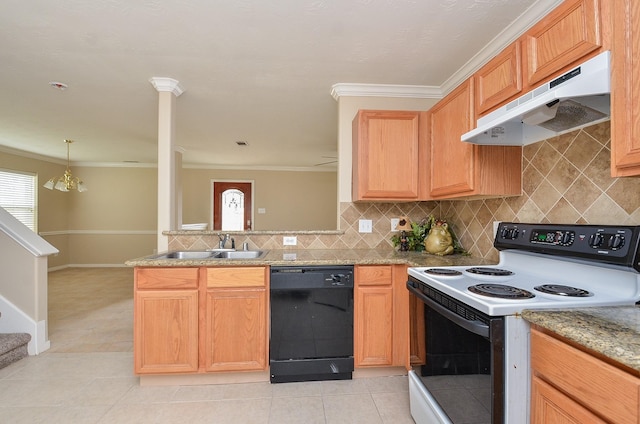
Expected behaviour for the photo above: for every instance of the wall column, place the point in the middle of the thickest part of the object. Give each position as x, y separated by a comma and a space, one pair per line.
168, 90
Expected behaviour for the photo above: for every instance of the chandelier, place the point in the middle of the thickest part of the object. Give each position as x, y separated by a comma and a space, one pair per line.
66, 182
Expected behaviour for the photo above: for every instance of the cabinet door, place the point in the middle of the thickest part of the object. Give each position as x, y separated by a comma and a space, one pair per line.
549, 405
600, 387
166, 331
452, 161
385, 155
498, 80
567, 34
235, 331
625, 96
373, 326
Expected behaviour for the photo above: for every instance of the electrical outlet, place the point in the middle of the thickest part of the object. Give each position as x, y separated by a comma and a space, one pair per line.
365, 226
394, 224
262, 210
289, 241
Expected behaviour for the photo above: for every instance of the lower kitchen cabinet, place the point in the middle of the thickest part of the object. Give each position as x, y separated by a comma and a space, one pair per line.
381, 316
166, 320
568, 385
207, 319
236, 315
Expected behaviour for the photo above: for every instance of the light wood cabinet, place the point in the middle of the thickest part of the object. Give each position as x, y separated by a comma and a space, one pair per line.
205, 319
499, 80
625, 95
373, 316
461, 169
381, 316
166, 320
571, 386
235, 334
567, 34
386, 156
573, 32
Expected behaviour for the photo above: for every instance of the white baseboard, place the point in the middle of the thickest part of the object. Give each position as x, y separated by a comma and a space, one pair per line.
13, 320
59, 267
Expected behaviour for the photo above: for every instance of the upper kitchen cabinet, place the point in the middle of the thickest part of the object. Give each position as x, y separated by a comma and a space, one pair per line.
386, 161
499, 80
567, 34
461, 169
625, 95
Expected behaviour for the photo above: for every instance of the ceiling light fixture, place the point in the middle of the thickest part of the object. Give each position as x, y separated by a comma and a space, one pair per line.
67, 182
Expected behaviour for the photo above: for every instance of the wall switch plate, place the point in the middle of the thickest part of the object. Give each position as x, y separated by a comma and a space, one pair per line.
289, 241
495, 228
394, 224
365, 226
262, 210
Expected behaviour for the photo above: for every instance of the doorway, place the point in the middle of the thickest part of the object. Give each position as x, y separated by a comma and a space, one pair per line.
232, 205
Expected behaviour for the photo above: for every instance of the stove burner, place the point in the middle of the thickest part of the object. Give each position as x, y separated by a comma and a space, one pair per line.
442, 271
501, 291
489, 271
560, 290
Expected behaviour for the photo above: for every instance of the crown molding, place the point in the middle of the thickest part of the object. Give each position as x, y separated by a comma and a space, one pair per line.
385, 90
519, 26
513, 31
167, 84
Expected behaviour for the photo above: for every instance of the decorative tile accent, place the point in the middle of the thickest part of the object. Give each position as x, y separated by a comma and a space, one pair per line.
566, 179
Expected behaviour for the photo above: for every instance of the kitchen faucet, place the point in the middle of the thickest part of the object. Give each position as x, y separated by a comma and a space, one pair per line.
223, 240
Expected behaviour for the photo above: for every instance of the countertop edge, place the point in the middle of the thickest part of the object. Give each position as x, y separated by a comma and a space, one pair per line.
612, 332
310, 257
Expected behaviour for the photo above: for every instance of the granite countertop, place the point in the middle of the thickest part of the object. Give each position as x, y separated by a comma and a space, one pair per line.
322, 257
613, 332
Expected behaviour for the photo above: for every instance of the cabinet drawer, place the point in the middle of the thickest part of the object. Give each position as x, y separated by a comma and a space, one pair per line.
166, 278
589, 381
373, 275
236, 277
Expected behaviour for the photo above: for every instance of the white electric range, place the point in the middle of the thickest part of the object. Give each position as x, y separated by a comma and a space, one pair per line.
469, 308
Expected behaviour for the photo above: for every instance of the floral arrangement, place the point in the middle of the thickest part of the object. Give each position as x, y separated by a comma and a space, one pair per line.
420, 230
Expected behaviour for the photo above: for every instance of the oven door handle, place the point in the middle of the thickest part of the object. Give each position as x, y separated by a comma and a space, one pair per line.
475, 327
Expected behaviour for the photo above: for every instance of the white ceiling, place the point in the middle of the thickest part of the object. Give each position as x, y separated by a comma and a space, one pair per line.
252, 70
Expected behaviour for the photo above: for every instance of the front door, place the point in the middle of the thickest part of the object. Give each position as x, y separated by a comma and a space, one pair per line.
232, 206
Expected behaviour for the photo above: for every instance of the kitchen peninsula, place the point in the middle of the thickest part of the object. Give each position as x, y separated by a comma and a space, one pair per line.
205, 321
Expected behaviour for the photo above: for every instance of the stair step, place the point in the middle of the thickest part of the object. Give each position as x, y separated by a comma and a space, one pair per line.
13, 347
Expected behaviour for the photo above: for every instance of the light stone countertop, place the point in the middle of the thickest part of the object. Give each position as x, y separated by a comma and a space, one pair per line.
308, 257
613, 332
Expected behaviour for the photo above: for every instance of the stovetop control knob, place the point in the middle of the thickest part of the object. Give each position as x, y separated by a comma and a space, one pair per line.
596, 240
616, 241
567, 238
509, 233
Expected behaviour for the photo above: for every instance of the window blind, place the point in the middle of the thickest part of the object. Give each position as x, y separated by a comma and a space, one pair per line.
18, 196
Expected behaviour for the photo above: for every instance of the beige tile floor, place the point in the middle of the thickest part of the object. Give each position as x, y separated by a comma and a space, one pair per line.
87, 375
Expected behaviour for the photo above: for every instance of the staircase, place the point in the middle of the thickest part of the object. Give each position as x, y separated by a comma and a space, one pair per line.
13, 347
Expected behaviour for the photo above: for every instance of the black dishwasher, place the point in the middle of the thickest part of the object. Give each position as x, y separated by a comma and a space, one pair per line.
311, 323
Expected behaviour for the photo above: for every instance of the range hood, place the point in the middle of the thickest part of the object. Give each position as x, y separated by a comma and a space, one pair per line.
576, 99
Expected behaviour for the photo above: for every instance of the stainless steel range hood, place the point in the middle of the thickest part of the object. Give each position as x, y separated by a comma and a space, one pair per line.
576, 99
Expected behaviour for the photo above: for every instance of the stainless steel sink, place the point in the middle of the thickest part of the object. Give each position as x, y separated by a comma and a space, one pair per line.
243, 254
212, 254
188, 254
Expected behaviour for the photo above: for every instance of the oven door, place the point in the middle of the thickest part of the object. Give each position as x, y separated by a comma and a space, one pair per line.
462, 379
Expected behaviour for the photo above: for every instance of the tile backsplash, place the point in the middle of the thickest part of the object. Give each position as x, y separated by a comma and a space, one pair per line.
566, 179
